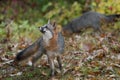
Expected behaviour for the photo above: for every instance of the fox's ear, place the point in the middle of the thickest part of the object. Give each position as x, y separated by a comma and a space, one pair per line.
49, 21
54, 24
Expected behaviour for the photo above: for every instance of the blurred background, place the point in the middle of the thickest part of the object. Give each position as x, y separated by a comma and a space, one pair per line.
27, 15
19, 19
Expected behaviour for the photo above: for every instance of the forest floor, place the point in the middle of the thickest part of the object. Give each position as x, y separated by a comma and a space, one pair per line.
86, 57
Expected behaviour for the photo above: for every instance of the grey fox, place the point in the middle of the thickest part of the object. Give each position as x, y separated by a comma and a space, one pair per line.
51, 44
88, 19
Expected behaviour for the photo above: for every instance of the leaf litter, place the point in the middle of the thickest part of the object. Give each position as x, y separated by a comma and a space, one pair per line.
86, 58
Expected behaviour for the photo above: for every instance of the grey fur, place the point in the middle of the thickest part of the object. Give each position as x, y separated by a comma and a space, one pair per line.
89, 19
37, 49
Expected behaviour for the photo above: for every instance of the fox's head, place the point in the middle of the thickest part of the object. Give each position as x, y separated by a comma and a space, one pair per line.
48, 30
50, 35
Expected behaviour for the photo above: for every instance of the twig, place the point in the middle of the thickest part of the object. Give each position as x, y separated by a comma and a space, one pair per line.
7, 62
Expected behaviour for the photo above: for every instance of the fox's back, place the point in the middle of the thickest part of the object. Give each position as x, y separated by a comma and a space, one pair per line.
88, 19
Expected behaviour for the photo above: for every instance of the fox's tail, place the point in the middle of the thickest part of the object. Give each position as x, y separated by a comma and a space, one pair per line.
27, 52
113, 18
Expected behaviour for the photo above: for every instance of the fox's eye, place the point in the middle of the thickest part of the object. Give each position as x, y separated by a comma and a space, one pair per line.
46, 27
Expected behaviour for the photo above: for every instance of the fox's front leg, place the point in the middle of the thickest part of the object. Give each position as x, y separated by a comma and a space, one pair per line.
59, 62
51, 63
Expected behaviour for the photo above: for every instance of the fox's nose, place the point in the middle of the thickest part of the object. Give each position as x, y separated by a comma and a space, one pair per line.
42, 30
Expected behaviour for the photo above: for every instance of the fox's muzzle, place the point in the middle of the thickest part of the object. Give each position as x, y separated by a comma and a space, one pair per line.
42, 30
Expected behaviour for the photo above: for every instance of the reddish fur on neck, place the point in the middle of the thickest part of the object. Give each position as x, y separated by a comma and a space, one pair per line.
53, 42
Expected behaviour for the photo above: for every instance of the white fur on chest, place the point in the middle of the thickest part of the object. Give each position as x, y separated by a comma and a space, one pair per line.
47, 36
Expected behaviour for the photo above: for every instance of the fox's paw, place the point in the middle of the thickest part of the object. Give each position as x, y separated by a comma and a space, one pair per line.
30, 63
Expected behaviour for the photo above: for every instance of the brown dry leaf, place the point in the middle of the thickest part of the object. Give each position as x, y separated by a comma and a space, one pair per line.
94, 63
118, 56
53, 78
100, 55
1, 59
94, 72
22, 46
77, 68
103, 35
23, 43
105, 48
116, 65
119, 72
7, 62
67, 70
43, 73
70, 78
87, 46
4, 59
18, 74
0, 77
2, 51
1, 65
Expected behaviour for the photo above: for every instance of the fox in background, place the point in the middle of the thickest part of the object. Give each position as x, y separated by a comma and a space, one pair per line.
88, 20
51, 44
